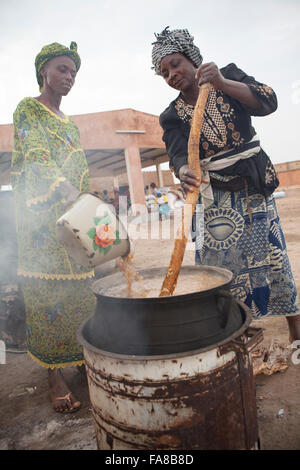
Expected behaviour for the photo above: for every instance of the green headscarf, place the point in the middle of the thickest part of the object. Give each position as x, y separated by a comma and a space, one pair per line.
53, 50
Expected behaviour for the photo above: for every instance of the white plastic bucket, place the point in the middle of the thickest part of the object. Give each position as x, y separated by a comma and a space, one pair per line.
91, 232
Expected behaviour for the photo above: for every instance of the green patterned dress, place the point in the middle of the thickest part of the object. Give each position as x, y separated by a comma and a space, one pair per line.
57, 298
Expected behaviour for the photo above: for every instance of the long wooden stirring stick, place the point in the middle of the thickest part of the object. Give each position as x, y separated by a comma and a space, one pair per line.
188, 209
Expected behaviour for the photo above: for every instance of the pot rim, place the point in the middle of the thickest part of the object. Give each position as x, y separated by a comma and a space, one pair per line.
132, 357
170, 298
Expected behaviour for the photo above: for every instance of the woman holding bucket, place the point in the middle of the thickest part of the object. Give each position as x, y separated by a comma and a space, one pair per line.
49, 169
242, 228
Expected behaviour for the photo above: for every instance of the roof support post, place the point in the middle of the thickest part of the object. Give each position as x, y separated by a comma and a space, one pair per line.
135, 175
116, 182
159, 176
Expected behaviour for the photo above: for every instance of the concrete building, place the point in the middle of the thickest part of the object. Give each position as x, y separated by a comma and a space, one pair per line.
119, 145
116, 143
288, 173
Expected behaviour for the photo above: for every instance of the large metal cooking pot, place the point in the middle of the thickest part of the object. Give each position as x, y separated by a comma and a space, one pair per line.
164, 325
204, 399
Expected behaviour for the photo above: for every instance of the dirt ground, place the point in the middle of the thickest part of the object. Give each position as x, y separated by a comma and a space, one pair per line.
28, 421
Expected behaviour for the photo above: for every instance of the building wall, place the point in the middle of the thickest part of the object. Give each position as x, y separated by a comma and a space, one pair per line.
289, 178
6, 137
288, 173
151, 177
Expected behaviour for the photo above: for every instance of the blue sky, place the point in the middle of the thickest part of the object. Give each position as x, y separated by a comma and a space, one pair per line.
114, 40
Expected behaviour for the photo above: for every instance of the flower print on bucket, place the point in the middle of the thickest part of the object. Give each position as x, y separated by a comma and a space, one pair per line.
104, 235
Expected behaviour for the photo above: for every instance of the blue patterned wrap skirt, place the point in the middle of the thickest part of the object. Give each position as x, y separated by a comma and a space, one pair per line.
242, 233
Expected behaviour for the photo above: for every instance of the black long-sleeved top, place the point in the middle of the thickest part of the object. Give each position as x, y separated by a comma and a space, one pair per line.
226, 125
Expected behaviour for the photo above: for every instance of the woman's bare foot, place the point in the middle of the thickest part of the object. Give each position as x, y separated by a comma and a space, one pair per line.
61, 397
294, 327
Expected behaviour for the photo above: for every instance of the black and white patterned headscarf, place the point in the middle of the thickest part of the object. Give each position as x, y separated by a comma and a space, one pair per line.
170, 42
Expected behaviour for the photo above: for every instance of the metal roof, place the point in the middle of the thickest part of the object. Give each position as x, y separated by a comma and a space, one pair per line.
112, 162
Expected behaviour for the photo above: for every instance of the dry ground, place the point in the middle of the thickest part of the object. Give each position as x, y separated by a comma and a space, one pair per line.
28, 421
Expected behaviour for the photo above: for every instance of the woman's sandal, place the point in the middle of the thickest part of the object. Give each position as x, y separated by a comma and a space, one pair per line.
74, 406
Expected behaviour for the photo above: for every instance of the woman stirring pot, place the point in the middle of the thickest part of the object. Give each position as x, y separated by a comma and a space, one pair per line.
242, 227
